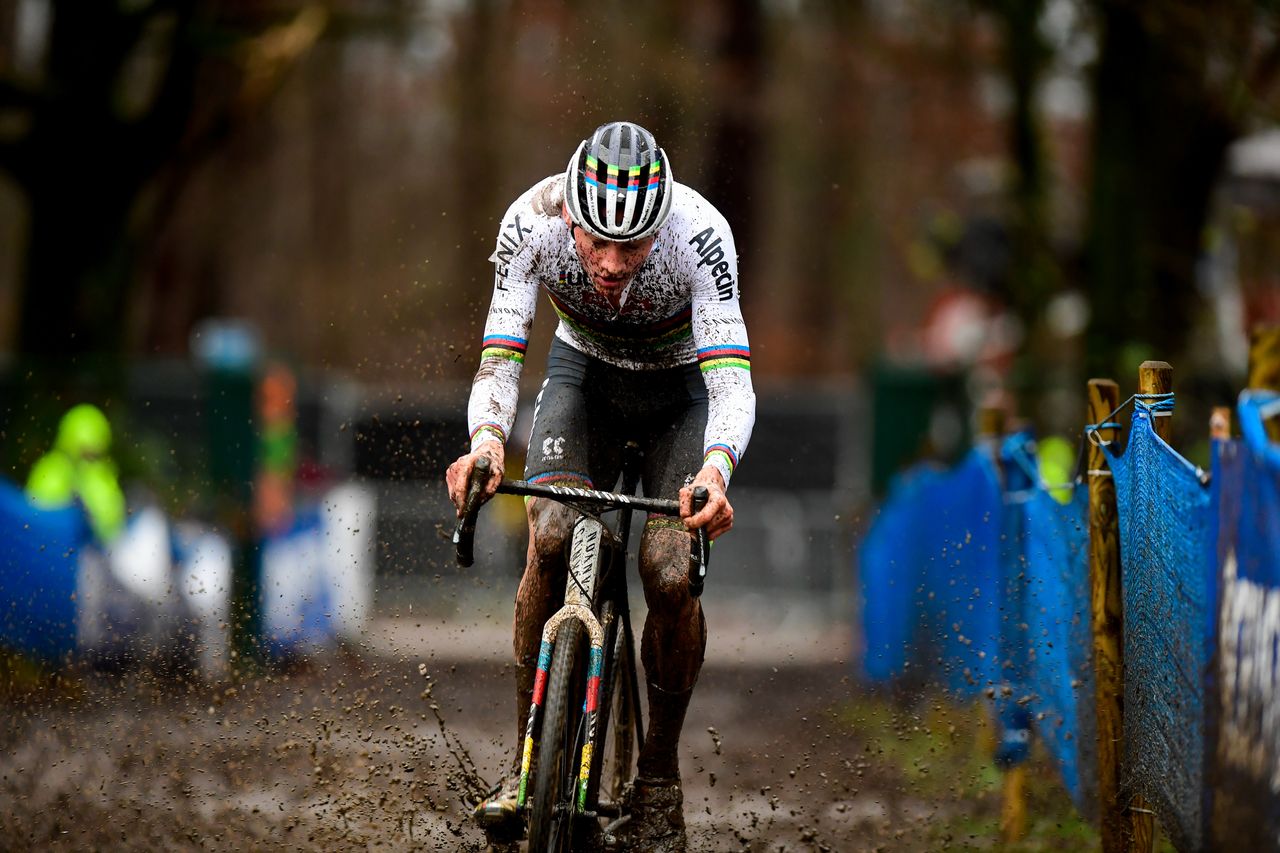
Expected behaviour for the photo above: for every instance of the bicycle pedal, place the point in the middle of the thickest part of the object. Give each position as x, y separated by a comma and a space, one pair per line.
493, 816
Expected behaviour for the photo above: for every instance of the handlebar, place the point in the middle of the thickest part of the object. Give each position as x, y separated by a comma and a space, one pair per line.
464, 534
465, 531
699, 546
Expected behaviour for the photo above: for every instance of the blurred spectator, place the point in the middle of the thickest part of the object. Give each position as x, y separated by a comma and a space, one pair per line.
79, 467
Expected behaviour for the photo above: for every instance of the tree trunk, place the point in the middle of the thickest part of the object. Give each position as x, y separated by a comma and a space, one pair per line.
1158, 145
736, 137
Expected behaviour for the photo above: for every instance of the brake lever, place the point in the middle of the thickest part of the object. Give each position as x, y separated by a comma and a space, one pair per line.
699, 546
464, 533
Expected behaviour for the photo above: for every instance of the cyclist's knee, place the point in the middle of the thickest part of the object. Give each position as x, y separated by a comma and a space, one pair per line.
550, 527
664, 562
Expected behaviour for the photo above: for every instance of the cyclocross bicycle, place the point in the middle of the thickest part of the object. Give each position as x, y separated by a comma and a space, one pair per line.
586, 673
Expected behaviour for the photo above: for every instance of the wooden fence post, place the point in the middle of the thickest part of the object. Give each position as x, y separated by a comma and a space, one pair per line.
1264, 367
991, 423
1154, 377
1107, 608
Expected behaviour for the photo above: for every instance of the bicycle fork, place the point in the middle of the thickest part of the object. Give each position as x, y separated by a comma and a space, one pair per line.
584, 562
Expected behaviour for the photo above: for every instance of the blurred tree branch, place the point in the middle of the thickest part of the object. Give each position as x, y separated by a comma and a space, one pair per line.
129, 100
1175, 84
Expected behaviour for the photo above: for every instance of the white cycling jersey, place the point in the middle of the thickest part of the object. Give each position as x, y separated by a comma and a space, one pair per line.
681, 308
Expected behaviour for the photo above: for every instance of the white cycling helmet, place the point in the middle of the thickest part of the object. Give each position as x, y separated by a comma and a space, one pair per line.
618, 184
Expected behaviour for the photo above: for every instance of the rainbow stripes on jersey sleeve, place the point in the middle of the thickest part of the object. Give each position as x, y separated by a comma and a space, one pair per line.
724, 453
725, 355
488, 430
504, 346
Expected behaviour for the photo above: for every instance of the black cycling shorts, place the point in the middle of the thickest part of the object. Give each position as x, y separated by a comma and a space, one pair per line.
588, 410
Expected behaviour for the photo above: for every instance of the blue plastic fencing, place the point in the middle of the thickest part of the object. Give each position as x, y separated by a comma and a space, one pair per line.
930, 570
1053, 568
969, 587
1245, 752
39, 558
1168, 582
1201, 580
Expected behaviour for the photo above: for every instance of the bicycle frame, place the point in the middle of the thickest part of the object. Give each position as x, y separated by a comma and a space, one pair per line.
589, 539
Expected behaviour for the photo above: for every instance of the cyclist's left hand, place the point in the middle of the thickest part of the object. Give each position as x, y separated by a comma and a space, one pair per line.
717, 515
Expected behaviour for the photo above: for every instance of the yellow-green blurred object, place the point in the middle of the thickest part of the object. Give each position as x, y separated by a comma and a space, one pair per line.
100, 491
52, 481
1055, 459
78, 467
84, 431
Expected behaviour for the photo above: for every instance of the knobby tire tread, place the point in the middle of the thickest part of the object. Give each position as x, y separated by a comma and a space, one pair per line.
556, 760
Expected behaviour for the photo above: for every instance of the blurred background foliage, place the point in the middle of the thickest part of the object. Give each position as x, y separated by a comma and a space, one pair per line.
333, 173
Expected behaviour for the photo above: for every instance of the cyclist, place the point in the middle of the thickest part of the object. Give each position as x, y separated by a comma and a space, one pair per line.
651, 347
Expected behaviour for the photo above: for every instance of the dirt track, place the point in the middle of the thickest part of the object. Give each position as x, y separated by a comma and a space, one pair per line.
345, 755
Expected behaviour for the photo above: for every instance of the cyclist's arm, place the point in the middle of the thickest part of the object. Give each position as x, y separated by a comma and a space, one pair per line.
724, 357
724, 353
495, 389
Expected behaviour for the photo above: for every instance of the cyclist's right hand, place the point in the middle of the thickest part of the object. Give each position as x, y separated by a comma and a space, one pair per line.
459, 473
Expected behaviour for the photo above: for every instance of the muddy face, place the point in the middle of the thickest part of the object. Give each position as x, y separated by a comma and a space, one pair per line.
610, 264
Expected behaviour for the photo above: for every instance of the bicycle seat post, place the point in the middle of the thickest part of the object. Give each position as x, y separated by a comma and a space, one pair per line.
631, 460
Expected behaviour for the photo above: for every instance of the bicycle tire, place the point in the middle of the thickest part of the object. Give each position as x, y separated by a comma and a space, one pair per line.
551, 815
611, 776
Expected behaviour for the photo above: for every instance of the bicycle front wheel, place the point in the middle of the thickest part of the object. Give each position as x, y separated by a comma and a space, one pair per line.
551, 814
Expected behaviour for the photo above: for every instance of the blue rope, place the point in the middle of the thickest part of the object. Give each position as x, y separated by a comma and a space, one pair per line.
1160, 405
1154, 403
1091, 429
1148, 405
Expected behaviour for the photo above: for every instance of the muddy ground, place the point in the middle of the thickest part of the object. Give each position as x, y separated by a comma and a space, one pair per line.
344, 752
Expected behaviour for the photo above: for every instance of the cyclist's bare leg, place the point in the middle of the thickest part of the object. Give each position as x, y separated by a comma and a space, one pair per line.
673, 644
675, 637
